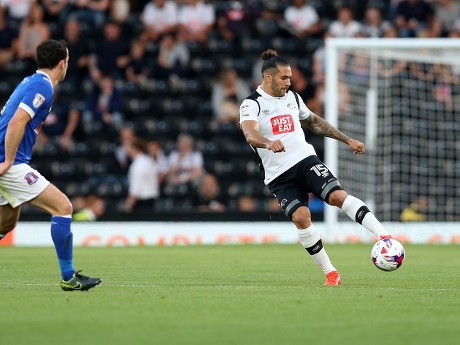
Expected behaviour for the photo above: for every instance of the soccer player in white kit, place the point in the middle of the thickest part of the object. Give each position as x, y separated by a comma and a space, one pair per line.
271, 119
20, 120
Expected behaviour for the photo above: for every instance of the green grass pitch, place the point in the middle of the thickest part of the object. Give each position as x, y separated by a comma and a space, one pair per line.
234, 294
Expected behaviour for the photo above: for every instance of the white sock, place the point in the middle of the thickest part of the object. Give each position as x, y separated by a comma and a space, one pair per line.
309, 237
352, 205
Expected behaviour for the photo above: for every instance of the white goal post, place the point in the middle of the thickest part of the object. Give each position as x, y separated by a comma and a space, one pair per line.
404, 104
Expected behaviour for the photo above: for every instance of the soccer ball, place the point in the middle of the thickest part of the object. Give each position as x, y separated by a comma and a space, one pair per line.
387, 254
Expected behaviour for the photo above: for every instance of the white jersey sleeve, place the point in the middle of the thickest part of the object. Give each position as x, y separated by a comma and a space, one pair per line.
304, 112
249, 110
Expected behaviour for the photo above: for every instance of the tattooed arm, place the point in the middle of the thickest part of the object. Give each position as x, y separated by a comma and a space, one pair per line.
321, 127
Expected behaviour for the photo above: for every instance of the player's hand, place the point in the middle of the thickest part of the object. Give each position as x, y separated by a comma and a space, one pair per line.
356, 146
4, 166
276, 146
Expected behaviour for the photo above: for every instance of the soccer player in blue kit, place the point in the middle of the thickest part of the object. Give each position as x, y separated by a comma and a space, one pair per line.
20, 121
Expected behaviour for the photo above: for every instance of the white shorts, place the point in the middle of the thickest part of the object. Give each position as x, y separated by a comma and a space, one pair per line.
20, 184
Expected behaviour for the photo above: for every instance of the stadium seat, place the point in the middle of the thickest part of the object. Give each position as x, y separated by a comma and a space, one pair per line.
285, 45
243, 67
252, 45
63, 169
220, 47
173, 106
205, 66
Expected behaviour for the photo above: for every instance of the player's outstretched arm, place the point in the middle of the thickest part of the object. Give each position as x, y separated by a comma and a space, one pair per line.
256, 139
321, 127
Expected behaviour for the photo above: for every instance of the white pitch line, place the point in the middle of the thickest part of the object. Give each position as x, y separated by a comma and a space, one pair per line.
152, 286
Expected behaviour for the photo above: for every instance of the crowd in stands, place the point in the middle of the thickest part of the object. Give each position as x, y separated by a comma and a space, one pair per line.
155, 86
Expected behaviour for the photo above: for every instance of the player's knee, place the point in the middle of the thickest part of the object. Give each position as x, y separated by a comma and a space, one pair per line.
64, 208
302, 218
337, 197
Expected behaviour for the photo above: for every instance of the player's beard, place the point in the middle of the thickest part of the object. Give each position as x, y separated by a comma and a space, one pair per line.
277, 90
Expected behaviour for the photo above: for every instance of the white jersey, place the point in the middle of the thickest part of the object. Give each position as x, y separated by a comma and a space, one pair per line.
279, 119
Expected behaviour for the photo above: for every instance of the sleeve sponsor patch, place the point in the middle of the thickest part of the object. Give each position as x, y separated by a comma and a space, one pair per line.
38, 100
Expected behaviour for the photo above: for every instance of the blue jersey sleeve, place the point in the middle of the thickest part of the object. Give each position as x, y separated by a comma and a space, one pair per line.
37, 97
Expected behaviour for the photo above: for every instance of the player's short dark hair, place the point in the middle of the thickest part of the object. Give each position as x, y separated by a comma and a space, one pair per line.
272, 60
50, 52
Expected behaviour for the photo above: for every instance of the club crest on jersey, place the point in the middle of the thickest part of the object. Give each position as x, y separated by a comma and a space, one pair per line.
38, 100
31, 178
282, 124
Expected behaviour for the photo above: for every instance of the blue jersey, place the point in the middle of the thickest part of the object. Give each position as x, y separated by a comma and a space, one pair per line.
34, 95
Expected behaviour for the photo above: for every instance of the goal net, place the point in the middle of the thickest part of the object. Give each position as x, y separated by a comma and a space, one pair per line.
401, 97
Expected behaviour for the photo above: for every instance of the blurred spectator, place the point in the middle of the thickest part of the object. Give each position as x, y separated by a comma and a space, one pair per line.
137, 70
208, 197
267, 23
143, 187
78, 202
417, 211
358, 69
57, 11
62, 123
119, 11
104, 107
374, 25
319, 61
127, 136
17, 10
446, 12
256, 74
422, 71
272, 206
301, 84
455, 33
78, 51
345, 26
186, 166
301, 19
446, 86
236, 20
32, 32
246, 203
343, 100
196, 20
92, 13
93, 209
390, 68
318, 78
173, 58
110, 54
413, 18
159, 17
8, 40
227, 94
391, 32
156, 153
